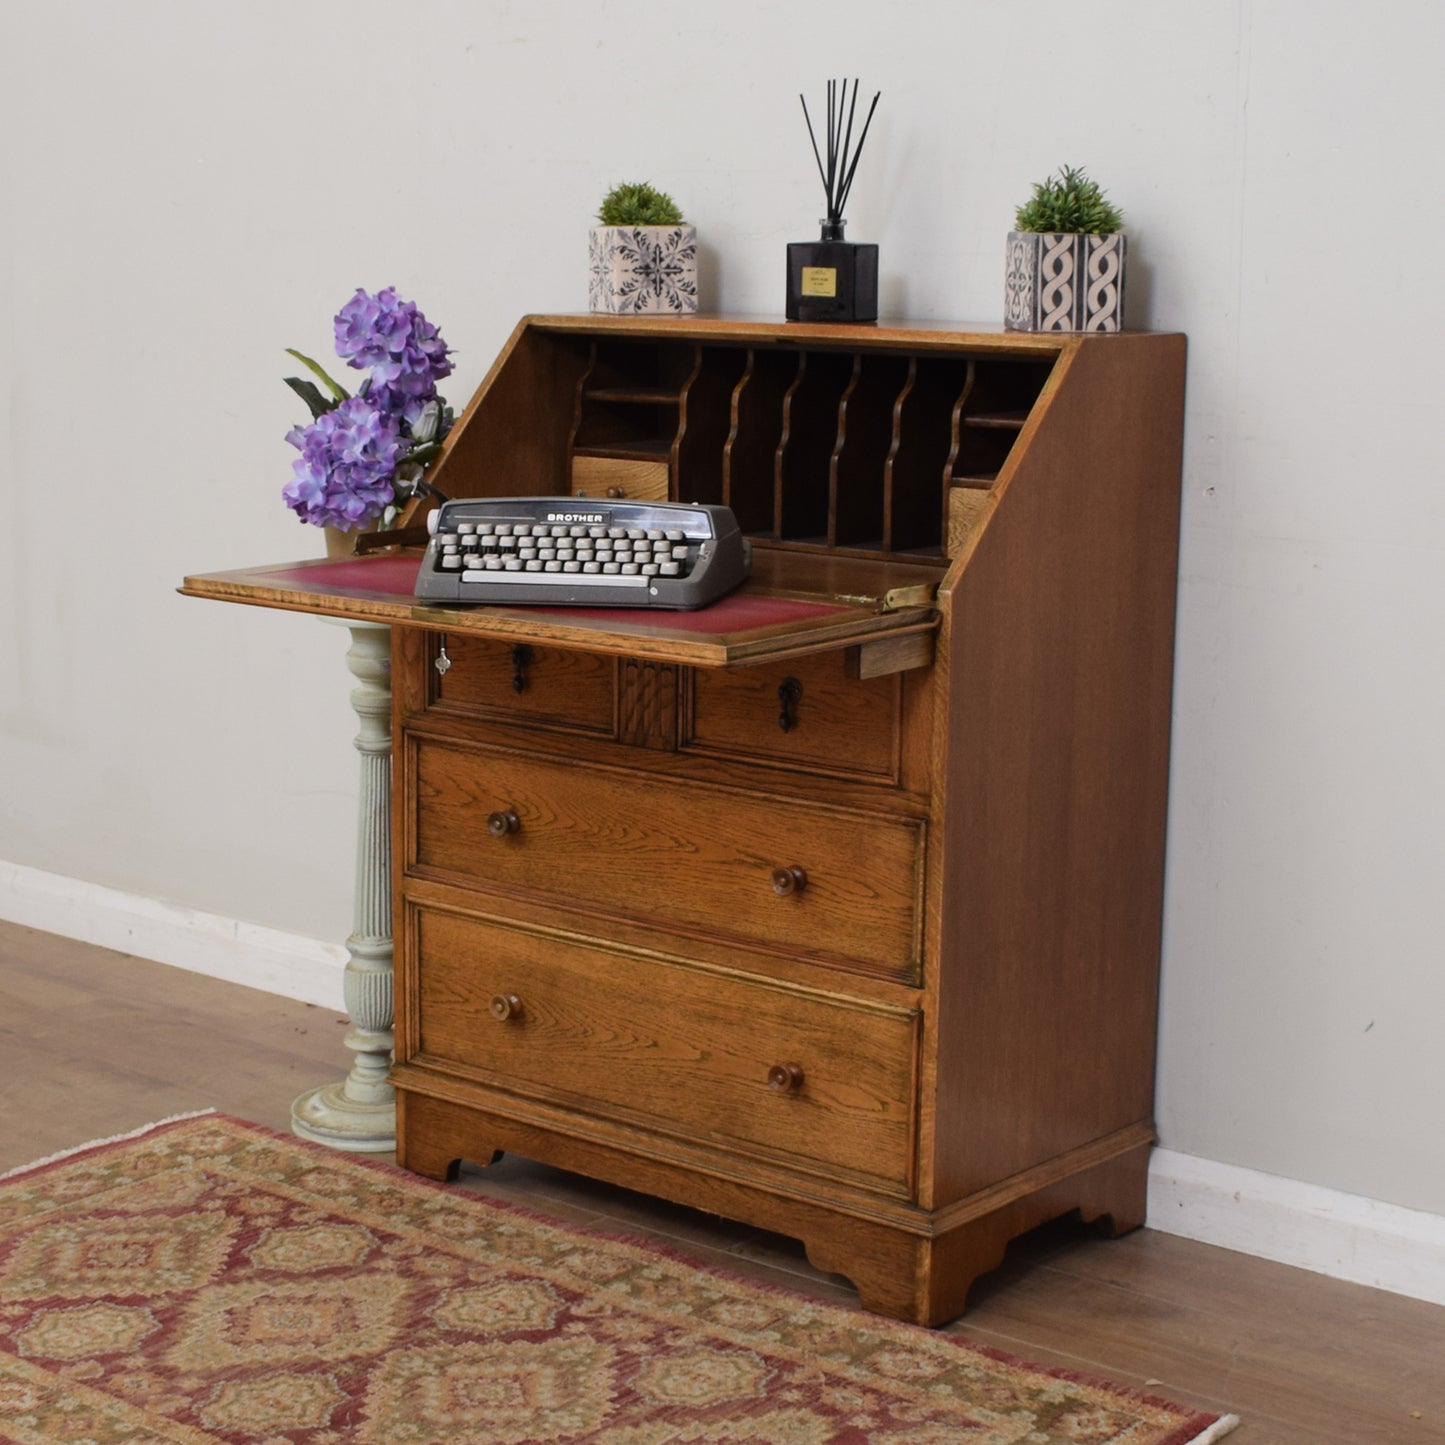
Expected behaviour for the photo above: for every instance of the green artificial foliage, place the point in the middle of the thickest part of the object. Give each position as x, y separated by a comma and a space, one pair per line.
1069, 204
638, 204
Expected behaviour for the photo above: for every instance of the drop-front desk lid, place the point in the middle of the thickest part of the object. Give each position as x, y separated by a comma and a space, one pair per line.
792, 604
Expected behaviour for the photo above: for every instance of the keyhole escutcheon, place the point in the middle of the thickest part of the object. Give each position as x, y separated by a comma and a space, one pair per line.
521, 661
790, 691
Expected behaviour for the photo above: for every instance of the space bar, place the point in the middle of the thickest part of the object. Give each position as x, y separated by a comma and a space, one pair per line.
553, 579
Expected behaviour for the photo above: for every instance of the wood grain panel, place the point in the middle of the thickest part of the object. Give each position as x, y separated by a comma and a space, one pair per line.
1059, 652
837, 725
682, 855
506, 442
559, 688
646, 704
690, 1050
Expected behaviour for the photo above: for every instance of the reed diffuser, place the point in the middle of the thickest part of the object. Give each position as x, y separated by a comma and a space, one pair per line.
831, 279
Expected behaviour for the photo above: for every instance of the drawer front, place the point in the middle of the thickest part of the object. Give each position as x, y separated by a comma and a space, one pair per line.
789, 876
617, 477
537, 686
810, 1080
807, 714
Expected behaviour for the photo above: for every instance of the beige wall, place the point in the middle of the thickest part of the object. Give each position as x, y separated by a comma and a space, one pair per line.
188, 188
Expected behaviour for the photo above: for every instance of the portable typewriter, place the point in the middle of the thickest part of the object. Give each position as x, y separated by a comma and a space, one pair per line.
564, 552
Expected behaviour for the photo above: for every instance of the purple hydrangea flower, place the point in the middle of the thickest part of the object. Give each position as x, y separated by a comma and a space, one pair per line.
343, 477
349, 455
390, 338
404, 403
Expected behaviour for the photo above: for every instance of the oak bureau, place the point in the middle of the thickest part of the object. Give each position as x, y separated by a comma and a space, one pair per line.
835, 907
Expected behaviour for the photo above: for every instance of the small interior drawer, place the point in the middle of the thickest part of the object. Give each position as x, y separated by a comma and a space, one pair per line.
519, 682
806, 1078
822, 882
640, 481
806, 713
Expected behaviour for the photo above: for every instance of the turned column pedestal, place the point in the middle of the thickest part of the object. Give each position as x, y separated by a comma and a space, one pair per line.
359, 1113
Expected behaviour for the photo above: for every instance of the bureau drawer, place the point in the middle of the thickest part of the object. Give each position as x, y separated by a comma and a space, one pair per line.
548, 687
806, 713
810, 1079
787, 875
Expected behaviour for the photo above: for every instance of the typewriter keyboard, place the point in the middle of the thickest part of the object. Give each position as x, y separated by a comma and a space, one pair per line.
520, 550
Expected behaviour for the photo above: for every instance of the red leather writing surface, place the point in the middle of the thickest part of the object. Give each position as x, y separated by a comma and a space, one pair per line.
738, 612
364, 574
734, 613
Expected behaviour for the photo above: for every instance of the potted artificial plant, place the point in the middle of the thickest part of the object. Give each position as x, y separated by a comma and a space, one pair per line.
1065, 265
641, 255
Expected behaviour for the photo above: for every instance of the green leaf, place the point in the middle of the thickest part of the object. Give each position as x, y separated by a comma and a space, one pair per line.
339, 392
425, 454
1068, 203
636, 203
308, 392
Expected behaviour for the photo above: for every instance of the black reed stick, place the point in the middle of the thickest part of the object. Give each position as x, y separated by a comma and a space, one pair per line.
837, 175
832, 138
848, 184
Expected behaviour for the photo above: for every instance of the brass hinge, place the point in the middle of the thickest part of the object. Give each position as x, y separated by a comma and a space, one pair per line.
895, 599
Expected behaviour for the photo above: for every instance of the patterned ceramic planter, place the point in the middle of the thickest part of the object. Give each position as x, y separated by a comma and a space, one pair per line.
642, 268
1064, 282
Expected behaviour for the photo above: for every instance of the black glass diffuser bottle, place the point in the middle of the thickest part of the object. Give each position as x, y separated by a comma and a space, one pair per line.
831, 279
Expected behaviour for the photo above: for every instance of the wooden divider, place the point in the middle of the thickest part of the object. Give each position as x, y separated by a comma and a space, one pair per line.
814, 447
750, 461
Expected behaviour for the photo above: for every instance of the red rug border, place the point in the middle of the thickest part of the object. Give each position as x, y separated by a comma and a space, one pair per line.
1196, 1427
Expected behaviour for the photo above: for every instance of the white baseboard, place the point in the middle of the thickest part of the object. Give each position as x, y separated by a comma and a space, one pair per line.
1345, 1236
264, 958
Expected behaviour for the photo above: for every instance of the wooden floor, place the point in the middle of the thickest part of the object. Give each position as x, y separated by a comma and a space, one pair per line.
97, 1043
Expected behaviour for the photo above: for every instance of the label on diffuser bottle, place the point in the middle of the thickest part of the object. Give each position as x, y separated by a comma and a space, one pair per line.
819, 281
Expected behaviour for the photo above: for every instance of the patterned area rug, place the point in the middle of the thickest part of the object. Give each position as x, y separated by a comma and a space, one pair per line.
206, 1280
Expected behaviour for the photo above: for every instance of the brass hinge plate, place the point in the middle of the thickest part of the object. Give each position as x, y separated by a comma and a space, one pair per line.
895, 599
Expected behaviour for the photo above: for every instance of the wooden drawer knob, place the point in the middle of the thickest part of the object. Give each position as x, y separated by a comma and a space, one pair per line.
789, 880
786, 1078
501, 823
506, 1006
